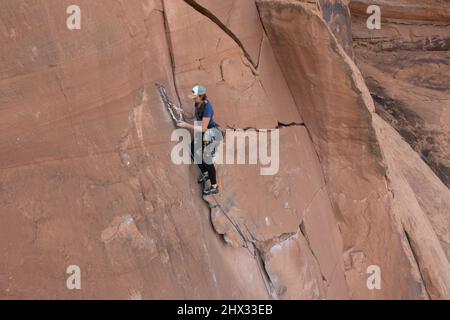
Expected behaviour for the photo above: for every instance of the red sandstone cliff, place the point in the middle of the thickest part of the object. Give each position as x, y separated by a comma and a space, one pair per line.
86, 177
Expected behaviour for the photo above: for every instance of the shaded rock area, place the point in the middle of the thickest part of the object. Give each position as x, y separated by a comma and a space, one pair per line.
406, 66
86, 176
337, 15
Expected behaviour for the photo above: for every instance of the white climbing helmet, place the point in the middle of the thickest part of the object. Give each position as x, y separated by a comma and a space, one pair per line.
198, 90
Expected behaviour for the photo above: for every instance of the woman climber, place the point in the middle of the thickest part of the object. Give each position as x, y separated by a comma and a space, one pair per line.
204, 113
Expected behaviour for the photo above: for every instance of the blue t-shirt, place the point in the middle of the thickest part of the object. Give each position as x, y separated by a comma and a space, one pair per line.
207, 113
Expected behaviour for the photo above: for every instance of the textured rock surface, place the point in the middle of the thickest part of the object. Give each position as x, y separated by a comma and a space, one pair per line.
336, 107
85, 148
421, 204
406, 66
86, 177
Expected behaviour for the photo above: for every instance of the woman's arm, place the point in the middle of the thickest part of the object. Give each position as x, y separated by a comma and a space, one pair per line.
205, 124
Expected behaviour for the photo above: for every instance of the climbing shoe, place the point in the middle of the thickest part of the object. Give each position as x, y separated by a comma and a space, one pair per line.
203, 178
210, 191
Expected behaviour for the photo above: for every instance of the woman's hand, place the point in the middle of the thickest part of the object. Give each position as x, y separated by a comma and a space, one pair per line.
182, 124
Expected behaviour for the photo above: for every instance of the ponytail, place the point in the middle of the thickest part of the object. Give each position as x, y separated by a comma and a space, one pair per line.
201, 106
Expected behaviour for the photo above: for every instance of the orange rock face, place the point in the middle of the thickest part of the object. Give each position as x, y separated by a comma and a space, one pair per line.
86, 172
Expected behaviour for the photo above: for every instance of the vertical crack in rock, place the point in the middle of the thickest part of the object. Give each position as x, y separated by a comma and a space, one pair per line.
266, 247
273, 294
170, 46
302, 229
260, 48
248, 242
204, 11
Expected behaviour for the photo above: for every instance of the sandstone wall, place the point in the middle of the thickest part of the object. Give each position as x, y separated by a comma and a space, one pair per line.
86, 176
338, 111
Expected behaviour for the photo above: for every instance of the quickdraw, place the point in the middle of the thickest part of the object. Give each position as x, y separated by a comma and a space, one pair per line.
175, 112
